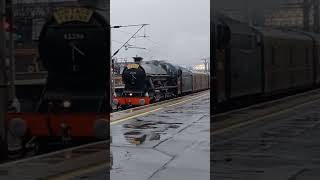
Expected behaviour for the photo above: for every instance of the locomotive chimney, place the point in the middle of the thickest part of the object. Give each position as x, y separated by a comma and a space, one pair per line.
137, 59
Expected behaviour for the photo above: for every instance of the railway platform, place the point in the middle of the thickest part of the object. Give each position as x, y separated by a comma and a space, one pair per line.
277, 140
171, 141
58, 165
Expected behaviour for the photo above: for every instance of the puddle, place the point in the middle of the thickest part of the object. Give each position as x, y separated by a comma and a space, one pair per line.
136, 140
162, 116
154, 137
132, 133
139, 131
173, 126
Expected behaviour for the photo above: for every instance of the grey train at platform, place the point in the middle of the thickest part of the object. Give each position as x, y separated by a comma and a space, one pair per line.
253, 63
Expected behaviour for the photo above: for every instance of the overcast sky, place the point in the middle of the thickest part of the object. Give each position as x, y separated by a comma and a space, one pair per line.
178, 30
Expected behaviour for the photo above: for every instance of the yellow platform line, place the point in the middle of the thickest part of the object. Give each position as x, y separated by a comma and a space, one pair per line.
134, 116
154, 110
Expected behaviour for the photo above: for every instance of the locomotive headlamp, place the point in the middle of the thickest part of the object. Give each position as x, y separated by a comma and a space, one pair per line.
130, 94
66, 104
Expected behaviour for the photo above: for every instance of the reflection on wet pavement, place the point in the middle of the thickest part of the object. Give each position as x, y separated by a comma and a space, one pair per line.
167, 144
138, 131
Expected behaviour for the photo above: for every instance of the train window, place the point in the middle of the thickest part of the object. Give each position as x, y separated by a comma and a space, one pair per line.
242, 41
291, 55
273, 55
223, 36
307, 55
318, 49
258, 39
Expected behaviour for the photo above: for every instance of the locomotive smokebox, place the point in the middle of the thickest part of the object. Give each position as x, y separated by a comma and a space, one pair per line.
73, 46
137, 59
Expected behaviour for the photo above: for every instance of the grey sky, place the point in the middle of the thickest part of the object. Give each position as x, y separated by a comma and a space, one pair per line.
178, 30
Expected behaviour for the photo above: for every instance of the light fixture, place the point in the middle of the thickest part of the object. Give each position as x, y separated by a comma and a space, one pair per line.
66, 104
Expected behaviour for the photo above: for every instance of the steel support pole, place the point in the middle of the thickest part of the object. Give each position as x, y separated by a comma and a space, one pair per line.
306, 15
316, 18
12, 92
3, 83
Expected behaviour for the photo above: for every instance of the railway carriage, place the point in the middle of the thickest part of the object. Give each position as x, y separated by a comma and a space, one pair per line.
315, 56
200, 81
288, 60
185, 78
237, 61
254, 63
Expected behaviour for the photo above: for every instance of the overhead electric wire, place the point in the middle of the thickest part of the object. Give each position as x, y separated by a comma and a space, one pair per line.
117, 41
122, 31
130, 25
115, 53
152, 41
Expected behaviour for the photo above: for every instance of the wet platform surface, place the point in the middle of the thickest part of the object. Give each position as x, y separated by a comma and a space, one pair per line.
285, 146
171, 143
101, 174
55, 165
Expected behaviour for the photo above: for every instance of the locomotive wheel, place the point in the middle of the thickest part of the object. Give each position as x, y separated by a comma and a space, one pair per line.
152, 101
124, 107
31, 151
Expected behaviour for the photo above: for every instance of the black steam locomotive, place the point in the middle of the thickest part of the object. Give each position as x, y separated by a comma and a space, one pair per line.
152, 81
253, 63
74, 46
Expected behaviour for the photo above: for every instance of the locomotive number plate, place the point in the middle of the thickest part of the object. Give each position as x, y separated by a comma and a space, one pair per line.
63, 15
73, 36
133, 66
